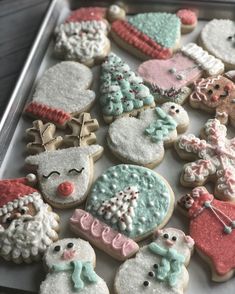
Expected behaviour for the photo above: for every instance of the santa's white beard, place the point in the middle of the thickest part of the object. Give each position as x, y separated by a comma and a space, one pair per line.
29, 235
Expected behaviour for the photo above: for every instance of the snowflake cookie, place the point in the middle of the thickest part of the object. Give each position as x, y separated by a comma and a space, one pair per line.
71, 263
212, 226
159, 267
213, 159
132, 200
142, 140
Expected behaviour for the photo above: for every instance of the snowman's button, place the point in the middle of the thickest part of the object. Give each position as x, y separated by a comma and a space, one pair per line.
146, 283
151, 274
155, 266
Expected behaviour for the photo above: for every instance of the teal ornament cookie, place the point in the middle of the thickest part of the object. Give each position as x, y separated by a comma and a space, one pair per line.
132, 200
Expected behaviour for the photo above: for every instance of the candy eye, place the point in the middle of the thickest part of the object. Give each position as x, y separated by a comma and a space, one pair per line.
174, 238
209, 92
229, 38
57, 248
173, 107
217, 86
70, 245
177, 111
166, 236
23, 210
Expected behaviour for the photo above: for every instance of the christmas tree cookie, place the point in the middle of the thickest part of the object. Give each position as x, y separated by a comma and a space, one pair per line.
122, 92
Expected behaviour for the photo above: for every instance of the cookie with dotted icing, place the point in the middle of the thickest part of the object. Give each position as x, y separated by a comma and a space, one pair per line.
143, 140
70, 263
215, 242
122, 91
132, 200
218, 38
159, 267
62, 91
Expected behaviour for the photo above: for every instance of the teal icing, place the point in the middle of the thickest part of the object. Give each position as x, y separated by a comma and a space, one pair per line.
161, 127
138, 104
163, 28
148, 100
128, 106
154, 200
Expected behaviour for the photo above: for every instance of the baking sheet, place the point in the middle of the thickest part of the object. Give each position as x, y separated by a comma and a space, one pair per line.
28, 277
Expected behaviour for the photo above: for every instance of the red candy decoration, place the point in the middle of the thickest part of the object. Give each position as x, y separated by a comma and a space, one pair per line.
65, 189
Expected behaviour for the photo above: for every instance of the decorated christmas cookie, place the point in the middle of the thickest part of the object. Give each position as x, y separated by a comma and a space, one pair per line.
71, 263
188, 20
218, 38
169, 79
83, 36
62, 92
27, 224
143, 140
159, 267
212, 226
132, 200
122, 92
213, 159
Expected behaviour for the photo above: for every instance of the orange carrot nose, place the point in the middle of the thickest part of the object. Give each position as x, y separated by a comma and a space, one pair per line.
65, 189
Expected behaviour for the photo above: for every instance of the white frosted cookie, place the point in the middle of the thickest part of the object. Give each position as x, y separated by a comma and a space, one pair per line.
218, 38
158, 268
142, 140
71, 265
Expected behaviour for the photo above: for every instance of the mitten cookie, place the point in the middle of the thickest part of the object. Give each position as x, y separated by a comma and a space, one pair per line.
122, 91
142, 140
168, 80
132, 200
71, 263
61, 93
27, 224
159, 267
212, 226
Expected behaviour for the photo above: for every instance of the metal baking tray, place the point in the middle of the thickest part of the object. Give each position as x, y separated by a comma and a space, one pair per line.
13, 125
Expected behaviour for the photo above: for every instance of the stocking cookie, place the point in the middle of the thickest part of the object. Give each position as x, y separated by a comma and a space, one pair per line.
61, 93
27, 224
212, 226
143, 140
71, 263
212, 159
132, 200
122, 91
168, 80
159, 267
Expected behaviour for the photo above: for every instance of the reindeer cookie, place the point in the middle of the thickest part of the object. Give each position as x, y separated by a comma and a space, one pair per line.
159, 267
61, 93
212, 226
142, 140
212, 159
71, 263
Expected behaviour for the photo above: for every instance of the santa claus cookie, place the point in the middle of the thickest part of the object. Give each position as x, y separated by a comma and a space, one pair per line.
61, 93
212, 159
122, 91
168, 80
218, 38
132, 200
71, 263
143, 140
27, 225
212, 226
159, 267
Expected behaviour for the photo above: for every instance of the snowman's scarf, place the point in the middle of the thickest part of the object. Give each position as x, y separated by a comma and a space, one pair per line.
81, 272
161, 127
170, 266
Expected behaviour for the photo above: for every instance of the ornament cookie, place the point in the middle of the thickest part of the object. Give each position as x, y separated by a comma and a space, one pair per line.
168, 80
122, 91
71, 263
212, 226
27, 224
159, 267
188, 20
212, 159
61, 93
83, 36
132, 200
143, 140
218, 38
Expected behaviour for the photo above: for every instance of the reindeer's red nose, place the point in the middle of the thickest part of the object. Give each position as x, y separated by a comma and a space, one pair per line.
65, 189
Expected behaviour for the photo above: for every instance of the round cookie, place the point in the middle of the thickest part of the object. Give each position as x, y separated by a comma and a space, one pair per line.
132, 200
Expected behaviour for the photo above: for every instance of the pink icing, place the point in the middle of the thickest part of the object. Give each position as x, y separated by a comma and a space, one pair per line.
187, 16
102, 236
87, 13
65, 189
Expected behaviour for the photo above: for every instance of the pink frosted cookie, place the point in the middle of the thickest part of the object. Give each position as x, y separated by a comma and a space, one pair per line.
212, 226
169, 79
188, 20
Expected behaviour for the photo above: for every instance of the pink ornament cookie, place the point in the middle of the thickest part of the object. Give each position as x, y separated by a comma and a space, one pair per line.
188, 20
212, 226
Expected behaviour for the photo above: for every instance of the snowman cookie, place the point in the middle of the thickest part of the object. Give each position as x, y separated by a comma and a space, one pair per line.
61, 93
71, 263
143, 140
159, 267
132, 200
